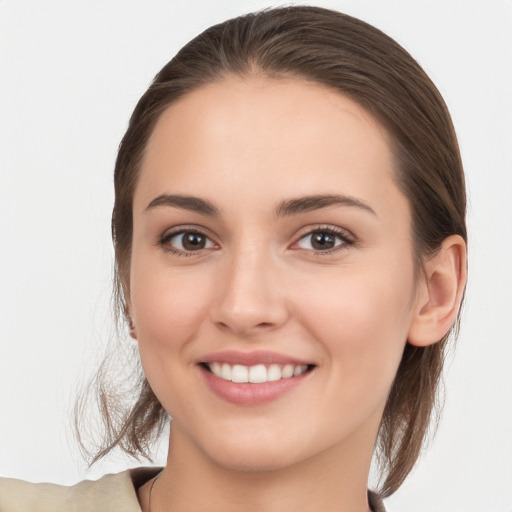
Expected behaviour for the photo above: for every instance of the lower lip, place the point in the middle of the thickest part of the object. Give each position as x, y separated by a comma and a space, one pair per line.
248, 393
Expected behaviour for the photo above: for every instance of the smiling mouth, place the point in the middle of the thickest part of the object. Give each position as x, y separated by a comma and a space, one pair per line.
256, 374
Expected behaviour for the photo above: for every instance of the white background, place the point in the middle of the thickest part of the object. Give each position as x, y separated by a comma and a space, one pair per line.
70, 74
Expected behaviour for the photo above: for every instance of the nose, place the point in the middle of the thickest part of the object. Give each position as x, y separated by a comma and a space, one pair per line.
251, 298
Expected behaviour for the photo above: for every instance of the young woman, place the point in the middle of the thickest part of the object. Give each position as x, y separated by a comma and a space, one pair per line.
289, 228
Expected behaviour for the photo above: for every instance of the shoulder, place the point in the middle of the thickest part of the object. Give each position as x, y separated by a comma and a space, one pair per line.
109, 493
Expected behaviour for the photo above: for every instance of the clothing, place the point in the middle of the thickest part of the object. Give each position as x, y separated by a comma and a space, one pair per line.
111, 493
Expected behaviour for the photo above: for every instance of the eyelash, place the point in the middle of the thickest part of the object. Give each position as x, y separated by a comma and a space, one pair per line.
346, 240
338, 233
168, 236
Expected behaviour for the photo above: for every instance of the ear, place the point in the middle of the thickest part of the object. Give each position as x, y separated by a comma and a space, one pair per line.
131, 323
133, 330
440, 293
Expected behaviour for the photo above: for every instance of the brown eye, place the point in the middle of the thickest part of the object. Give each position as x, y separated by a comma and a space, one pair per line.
188, 241
193, 241
322, 240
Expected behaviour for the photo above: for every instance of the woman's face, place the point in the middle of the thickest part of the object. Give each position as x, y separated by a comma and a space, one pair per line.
270, 239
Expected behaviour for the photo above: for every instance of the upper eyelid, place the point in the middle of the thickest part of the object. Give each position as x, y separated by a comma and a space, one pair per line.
341, 232
176, 230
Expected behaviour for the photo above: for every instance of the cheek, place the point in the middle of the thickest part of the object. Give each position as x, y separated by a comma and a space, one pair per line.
168, 307
362, 320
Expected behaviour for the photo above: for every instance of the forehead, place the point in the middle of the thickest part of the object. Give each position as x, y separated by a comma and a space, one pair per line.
271, 137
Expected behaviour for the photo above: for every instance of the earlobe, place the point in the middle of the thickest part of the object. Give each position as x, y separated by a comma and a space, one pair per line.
440, 294
133, 331
131, 324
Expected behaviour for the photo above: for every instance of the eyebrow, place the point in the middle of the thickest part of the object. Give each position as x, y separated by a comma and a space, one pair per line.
286, 208
191, 203
316, 202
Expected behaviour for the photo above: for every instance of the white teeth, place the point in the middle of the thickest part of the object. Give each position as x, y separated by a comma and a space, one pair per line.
239, 373
225, 371
256, 374
217, 368
273, 372
301, 368
287, 371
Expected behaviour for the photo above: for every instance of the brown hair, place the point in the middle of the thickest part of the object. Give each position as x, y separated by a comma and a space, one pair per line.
361, 62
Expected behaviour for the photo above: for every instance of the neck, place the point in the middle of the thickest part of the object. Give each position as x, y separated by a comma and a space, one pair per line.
330, 481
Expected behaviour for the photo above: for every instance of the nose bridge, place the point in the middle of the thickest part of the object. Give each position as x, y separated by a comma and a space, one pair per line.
249, 297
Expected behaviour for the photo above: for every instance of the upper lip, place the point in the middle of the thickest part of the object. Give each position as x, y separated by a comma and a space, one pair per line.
251, 358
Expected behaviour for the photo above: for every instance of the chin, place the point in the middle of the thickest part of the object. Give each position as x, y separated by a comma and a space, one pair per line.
256, 450
252, 459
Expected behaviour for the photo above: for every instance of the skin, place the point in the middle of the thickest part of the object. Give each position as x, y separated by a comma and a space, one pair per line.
247, 145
